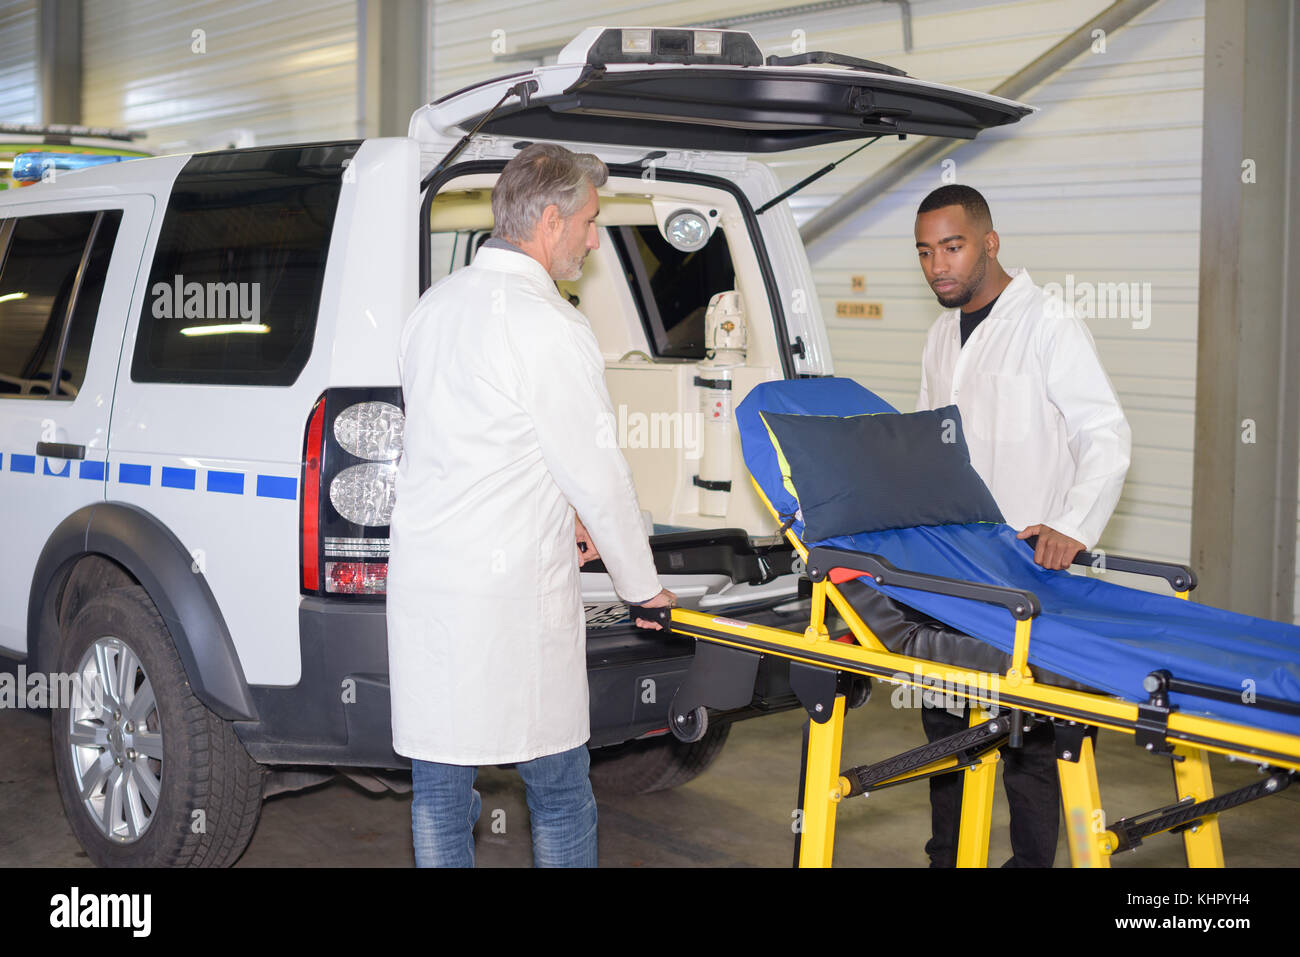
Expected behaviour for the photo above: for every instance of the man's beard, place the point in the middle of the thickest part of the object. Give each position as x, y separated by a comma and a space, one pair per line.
962, 295
570, 270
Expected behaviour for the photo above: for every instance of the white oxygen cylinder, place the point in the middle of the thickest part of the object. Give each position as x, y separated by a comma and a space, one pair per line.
724, 342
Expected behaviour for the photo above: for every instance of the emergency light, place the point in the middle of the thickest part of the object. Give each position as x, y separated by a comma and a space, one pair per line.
602, 46
30, 167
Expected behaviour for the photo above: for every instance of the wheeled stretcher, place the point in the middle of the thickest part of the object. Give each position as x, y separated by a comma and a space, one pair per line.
963, 610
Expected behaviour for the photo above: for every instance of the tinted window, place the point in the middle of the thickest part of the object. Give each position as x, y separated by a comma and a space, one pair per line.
236, 279
37, 282
672, 289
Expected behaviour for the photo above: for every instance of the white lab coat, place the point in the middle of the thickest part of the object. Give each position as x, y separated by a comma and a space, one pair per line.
505, 392
1044, 426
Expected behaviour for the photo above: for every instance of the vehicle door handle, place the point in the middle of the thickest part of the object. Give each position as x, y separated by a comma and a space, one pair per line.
60, 450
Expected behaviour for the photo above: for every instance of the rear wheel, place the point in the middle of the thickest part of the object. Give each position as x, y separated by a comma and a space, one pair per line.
655, 764
149, 776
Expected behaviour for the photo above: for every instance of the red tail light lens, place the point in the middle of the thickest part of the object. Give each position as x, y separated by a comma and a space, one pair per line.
356, 578
313, 453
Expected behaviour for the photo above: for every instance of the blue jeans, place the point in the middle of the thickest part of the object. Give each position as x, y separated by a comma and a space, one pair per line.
445, 807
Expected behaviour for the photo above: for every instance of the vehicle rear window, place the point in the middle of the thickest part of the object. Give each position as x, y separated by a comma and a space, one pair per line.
38, 280
236, 279
671, 288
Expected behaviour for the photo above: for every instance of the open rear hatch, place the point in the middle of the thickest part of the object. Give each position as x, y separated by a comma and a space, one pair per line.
708, 90
662, 94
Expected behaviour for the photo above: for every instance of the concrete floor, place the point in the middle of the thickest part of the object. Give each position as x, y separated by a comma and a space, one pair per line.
739, 813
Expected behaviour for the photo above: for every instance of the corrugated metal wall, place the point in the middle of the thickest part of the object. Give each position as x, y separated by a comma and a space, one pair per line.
1103, 185
18, 101
282, 70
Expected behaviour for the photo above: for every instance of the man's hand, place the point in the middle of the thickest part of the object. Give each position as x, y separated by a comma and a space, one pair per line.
665, 597
1055, 549
586, 547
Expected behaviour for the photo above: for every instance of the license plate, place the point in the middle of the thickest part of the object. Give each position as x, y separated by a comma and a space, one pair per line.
605, 614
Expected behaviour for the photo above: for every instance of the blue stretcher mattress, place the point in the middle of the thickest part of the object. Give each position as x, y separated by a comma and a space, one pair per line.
1103, 635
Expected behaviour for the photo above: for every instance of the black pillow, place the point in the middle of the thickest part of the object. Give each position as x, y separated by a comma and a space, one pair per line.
865, 473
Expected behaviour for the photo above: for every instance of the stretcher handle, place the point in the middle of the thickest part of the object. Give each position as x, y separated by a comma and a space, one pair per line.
660, 614
1180, 577
824, 560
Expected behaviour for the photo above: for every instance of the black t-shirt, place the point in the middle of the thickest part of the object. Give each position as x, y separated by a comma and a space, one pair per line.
969, 320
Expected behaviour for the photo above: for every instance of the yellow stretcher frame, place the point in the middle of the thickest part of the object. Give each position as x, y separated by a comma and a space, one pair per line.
1193, 738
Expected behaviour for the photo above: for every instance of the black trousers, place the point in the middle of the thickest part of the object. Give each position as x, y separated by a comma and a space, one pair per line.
1033, 789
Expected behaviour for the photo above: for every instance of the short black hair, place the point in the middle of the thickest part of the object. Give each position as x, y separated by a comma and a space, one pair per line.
966, 197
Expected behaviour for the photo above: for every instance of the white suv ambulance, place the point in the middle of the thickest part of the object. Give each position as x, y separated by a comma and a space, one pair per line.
200, 413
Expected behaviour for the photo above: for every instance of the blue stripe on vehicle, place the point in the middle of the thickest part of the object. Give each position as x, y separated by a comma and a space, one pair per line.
277, 486
177, 478
232, 482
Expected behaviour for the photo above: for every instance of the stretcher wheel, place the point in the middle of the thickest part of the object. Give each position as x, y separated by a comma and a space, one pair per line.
859, 691
691, 726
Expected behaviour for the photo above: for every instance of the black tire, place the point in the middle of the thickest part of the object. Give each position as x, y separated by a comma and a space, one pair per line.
209, 791
655, 764
859, 691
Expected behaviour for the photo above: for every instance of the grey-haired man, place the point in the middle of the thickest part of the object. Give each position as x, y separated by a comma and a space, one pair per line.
505, 396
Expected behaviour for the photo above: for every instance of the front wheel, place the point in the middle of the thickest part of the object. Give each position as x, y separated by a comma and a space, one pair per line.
149, 777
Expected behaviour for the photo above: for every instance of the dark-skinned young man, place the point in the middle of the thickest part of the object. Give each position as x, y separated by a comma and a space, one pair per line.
1048, 437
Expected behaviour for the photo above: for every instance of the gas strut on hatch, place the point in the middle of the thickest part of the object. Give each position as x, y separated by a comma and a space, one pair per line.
813, 177
523, 89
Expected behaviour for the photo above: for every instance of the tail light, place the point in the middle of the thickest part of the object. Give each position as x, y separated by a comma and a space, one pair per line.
353, 441
313, 453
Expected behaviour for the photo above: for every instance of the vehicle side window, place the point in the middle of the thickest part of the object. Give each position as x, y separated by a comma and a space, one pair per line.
236, 279
671, 288
38, 279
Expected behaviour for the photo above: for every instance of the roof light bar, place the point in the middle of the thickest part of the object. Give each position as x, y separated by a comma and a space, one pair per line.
30, 167
674, 45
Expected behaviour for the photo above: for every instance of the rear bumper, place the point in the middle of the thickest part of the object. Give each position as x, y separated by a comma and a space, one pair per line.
339, 713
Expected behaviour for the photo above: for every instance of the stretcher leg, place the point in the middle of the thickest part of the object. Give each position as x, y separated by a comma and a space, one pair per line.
822, 791
977, 804
1203, 844
1085, 822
